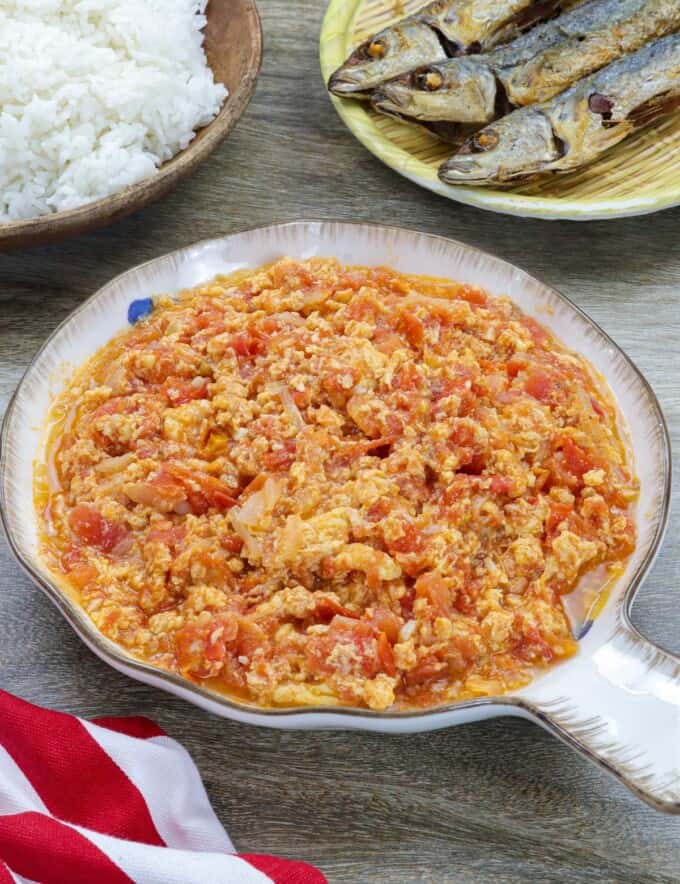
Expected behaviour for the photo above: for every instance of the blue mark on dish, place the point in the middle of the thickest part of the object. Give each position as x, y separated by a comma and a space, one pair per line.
585, 629
139, 309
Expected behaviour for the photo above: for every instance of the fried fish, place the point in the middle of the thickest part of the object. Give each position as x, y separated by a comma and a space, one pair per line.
578, 125
441, 30
534, 68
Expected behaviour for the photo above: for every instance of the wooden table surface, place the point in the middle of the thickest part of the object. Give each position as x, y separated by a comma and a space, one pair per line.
497, 801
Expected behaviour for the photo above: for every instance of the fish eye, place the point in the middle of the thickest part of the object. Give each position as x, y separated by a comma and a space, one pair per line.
371, 50
428, 80
486, 140
376, 49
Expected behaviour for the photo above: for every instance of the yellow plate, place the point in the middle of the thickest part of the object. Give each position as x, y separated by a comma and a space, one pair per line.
638, 176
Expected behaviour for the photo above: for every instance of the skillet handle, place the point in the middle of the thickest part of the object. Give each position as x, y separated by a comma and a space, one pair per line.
623, 714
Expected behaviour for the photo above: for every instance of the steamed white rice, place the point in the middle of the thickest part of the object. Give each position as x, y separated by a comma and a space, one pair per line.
95, 95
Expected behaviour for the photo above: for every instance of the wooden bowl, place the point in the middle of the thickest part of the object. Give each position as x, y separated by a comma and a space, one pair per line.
638, 176
233, 46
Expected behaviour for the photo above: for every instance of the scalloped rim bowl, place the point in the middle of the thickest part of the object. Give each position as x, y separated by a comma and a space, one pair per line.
617, 701
233, 45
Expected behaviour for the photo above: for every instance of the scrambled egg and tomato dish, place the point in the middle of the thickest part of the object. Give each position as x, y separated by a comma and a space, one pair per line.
324, 485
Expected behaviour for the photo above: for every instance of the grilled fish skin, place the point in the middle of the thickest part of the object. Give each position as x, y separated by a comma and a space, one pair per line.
534, 68
580, 42
441, 29
577, 126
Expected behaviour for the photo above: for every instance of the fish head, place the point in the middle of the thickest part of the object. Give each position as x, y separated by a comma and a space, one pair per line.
459, 91
519, 145
408, 44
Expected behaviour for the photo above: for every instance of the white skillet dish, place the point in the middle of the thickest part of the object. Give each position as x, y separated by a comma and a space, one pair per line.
617, 701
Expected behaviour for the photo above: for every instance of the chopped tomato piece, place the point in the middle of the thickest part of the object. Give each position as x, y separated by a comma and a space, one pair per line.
473, 464
378, 510
327, 608
178, 391
464, 601
162, 366
465, 648
79, 571
538, 333
406, 603
434, 588
213, 491
82, 575
220, 498
251, 637
115, 405
387, 340
340, 381
254, 485
576, 459
462, 436
440, 388
167, 533
501, 485
412, 329
91, 528
358, 449
386, 622
232, 543
473, 295
210, 317
280, 459
394, 426
249, 343
348, 646
558, 513
301, 398
410, 541
290, 274
539, 385
458, 488
268, 325
426, 672
515, 365
201, 648
385, 655
163, 492
532, 646
362, 309
406, 378
198, 503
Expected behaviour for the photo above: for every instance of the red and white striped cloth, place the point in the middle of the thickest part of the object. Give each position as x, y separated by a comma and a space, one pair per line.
112, 801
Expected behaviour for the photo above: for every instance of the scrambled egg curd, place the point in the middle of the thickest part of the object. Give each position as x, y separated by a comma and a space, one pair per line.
314, 484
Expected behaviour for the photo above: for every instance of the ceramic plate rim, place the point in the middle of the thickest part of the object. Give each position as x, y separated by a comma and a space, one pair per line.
223, 705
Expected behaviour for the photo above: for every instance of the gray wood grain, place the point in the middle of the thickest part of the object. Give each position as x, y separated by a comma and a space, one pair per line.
499, 801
